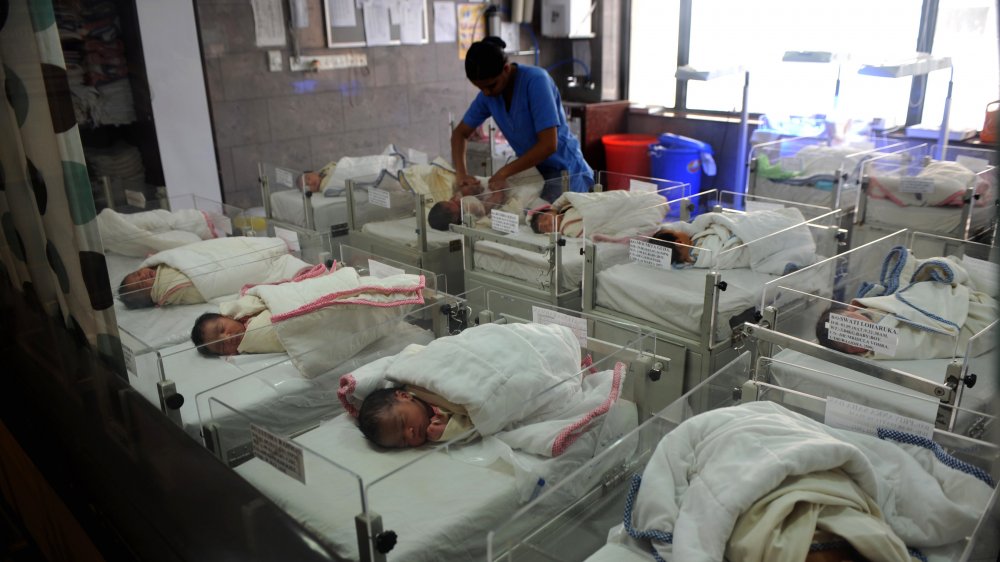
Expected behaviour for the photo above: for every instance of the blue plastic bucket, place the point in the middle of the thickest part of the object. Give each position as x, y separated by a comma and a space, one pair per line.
681, 159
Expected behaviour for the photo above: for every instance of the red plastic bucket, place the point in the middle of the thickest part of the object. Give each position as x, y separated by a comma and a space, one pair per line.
627, 154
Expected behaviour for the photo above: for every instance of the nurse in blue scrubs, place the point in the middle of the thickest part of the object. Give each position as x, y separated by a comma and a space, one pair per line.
525, 104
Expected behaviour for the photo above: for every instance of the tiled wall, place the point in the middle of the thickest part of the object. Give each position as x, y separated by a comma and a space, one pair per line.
304, 120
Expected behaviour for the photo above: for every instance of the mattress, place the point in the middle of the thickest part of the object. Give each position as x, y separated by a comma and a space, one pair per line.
804, 194
286, 205
941, 220
441, 507
404, 233
795, 370
530, 266
266, 384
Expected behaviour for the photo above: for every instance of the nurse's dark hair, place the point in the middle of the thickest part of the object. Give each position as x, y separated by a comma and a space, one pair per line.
485, 59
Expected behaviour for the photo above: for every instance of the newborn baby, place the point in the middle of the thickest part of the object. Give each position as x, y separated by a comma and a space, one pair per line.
404, 416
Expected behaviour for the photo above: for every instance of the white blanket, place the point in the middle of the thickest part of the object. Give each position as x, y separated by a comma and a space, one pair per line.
937, 184
353, 167
616, 212
222, 266
767, 241
325, 319
519, 382
141, 234
714, 466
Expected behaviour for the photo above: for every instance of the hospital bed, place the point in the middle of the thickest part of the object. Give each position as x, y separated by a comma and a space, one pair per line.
954, 197
690, 310
429, 503
502, 253
178, 379
582, 517
968, 372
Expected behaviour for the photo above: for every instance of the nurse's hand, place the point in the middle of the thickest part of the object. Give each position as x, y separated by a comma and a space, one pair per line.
464, 182
497, 182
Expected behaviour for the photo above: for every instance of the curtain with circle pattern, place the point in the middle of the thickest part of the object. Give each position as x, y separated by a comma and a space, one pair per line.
50, 248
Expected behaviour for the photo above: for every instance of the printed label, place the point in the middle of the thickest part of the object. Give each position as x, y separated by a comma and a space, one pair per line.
284, 177
646, 253
642, 186
379, 197
791, 164
540, 315
290, 237
135, 198
985, 274
129, 360
842, 414
277, 452
862, 333
380, 270
762, 206
503, 221
916, 185
224, 224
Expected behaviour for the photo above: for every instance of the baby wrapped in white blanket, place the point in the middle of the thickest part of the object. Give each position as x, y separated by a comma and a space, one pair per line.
938, 184
705, 493
608, 213
140, 234
519, 382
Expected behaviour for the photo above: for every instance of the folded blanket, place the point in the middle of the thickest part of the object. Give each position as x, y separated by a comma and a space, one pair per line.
610, 213
713, 467
222, 266
518, 382
323, 320
334, 178
939, 184
140, 234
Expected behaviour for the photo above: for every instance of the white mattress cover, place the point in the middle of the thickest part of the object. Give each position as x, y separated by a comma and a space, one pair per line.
286, 205
404, 233
804, 193
433, 523
944, 220
530, 266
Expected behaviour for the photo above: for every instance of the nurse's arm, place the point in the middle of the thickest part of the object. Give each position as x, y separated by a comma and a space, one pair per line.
459, 143
548, 142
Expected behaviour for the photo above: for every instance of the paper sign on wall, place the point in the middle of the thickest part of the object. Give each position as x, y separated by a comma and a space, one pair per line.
277, 452
862, 419
290, 238
541, 315
379, 197
380, 270
653, 255
284, 177
503, 221
471, 26
916, 185
444, 22
269, 23
762, 206
135, 198
862, 333
641, 186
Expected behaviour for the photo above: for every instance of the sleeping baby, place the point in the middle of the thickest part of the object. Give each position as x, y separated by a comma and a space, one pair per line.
243, 327
409, 416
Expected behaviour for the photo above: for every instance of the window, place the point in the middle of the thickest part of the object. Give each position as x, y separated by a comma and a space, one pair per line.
653, 52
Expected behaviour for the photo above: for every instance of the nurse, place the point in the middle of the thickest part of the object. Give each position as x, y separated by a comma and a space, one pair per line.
525, 104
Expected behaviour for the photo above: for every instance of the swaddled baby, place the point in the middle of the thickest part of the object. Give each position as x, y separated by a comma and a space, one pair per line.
409, 416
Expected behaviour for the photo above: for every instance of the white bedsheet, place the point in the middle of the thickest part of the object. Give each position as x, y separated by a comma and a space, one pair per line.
440, 507
530, 266
943, 220
286, 205
404, 233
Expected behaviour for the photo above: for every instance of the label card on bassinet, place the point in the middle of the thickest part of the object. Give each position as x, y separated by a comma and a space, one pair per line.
916, 185
277, 452
863, 419
503, 221
284, 177
129, 360
379, 197
540, 315
289, 237
653, 255
638, 186
861, 333
380, 270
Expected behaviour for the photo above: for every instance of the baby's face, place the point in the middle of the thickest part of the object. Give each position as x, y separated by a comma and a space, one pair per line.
312, 181
548, 222
224, 335
408, 423
140, 280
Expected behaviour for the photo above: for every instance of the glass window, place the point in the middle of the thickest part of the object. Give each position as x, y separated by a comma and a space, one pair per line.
653, 52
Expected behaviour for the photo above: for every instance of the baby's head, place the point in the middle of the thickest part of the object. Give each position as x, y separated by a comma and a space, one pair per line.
312, 181
679, 243
215, 334
136, 288
823, 332
445, 213
394, 418
545, 220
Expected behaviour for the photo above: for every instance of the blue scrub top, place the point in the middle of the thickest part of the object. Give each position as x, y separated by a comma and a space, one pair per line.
535, 106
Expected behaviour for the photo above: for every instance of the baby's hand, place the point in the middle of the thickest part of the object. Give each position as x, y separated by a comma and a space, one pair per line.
436, 428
